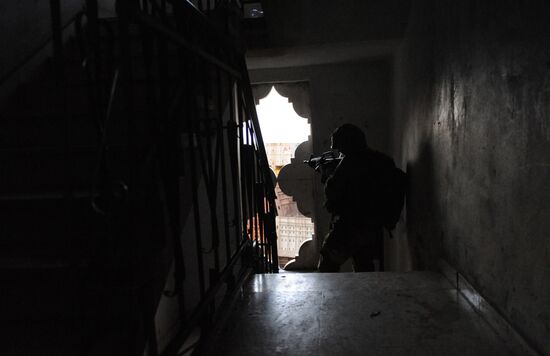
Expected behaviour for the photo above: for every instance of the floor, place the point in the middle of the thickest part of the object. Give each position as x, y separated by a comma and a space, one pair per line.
415, 313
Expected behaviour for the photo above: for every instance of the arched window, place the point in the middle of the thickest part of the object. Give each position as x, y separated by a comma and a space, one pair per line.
284, 129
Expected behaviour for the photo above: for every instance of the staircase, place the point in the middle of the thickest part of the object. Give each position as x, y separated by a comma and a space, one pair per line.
135, 192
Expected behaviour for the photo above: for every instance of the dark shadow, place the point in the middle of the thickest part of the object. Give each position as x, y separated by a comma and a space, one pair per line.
423, 212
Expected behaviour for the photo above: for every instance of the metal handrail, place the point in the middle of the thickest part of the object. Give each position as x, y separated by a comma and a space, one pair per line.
258, 205
226, 86
175, 37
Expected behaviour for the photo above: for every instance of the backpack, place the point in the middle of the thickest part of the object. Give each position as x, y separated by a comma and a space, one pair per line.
394, 198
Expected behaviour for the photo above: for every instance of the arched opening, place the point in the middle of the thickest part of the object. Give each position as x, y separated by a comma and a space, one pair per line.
283, 130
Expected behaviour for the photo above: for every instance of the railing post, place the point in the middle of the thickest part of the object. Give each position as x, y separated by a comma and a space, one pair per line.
57, 36
208, 77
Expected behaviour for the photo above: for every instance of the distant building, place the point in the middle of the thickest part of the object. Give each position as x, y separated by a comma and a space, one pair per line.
292, 227
292, 231
279, 154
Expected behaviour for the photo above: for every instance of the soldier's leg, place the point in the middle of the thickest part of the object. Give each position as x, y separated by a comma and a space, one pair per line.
364, 254
330, 261
379, 249
335, 250
363, 260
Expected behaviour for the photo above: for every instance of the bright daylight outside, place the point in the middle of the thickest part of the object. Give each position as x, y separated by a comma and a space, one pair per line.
283, 130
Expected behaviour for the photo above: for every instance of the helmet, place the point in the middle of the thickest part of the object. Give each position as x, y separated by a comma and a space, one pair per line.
348, 138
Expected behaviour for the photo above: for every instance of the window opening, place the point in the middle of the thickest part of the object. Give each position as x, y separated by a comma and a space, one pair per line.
282, 131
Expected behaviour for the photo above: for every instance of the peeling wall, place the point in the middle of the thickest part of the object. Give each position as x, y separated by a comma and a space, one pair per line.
472, 109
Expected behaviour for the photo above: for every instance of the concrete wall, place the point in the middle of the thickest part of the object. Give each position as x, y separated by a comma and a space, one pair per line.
25, 27
341, 92
473, 128
26, 34
308, 22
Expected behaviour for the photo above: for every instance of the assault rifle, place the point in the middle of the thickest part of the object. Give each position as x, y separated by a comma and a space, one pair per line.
326, 161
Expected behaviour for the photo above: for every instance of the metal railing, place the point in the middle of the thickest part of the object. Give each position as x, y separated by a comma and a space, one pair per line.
171, 100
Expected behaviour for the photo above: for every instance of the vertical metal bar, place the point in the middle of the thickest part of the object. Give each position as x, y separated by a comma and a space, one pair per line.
60, 96
194, 140
261, 216
253, 203
94, 55
273, 238
242, 162
211, 180
250, 182
173, 179
233, 134
206, 121
266, 234
252, 194
259, 207
173, 160
196, 211
262, 206
126, 240
261, 232
57, 36
244, 166
147, 48
252, 190
268, 231
269, 247
61, 102
126, 88
219, 80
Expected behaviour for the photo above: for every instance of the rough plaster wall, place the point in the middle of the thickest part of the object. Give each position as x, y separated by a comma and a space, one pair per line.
473, 102
344, 92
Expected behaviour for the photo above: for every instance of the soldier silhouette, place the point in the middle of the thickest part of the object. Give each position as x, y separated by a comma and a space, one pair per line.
355, 192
